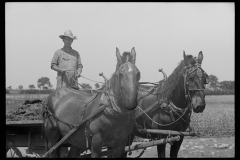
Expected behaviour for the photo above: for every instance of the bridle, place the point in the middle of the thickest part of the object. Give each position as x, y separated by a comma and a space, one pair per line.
119, 82
186, 74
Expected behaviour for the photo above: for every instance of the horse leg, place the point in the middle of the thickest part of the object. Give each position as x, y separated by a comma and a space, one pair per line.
161, 148
175, 148
129, 142
97, 143
109, 148
118, 150
74, 152
52, 134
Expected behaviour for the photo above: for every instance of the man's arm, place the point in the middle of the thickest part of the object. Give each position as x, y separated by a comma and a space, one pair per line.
56, 68
80, 66
54, 63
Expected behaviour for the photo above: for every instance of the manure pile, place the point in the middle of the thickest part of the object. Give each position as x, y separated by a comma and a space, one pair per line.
25, 112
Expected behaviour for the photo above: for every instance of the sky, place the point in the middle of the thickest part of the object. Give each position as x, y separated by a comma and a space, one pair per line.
159, 31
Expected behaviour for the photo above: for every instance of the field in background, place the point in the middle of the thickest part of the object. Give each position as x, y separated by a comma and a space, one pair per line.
15, 100
217, 120
26, 96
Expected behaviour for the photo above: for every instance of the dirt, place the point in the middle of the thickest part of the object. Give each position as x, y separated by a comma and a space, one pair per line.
196, 148
191, 148
25, 112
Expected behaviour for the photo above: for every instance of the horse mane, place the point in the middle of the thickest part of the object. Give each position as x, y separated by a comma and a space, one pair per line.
124, 57
172, 81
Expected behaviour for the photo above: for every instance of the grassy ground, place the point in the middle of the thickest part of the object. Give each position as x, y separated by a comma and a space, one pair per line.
217, 120
25, 96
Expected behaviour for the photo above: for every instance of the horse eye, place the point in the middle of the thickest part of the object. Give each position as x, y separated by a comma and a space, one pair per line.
120, 74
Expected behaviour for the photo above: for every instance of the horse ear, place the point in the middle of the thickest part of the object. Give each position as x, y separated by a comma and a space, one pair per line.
133, 54
200, 57
119, 58
186, 61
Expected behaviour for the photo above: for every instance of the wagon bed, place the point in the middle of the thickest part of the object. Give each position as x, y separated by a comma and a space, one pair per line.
30, 134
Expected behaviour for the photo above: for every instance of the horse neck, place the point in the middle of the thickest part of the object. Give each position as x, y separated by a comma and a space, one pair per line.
114, 89
178, 95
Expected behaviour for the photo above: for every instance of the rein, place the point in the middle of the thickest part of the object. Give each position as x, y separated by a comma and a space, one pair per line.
187, 90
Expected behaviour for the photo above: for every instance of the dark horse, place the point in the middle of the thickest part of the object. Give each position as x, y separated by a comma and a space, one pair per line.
113, 109
183, 92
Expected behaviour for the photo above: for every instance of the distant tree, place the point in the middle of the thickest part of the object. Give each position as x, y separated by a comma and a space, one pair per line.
227, 85
10, 87
213, 81
20, 87
7, 91
31, 86
50, 86
45, 87
87, 86
43, 82
97, 85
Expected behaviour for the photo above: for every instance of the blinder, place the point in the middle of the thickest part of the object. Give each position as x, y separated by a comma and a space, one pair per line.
187, 74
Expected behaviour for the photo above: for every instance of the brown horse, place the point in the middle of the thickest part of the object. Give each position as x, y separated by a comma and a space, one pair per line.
184, 89
107, 115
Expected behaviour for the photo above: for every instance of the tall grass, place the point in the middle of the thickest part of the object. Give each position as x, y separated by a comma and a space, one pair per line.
217, 120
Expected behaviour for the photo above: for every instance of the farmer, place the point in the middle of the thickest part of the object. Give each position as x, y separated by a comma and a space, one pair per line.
67, 63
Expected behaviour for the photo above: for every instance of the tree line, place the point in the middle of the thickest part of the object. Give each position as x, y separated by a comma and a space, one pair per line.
45, 87
214, 87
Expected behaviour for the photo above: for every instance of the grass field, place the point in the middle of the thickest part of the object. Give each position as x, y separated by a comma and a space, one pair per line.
217, 120
26, 96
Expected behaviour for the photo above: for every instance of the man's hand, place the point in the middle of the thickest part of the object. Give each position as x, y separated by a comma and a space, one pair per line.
63, 71
78, 75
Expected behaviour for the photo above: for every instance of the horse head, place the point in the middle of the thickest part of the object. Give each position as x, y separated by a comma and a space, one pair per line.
194, 79
125, 80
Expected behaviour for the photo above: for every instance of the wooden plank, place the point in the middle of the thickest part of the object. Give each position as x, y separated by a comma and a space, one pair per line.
22, 140
167, 132
137, 146
29, 123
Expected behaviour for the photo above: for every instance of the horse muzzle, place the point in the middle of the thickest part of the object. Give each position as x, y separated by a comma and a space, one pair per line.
198, 104
199, 109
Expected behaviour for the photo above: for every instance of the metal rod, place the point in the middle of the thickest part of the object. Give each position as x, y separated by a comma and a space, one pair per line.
167, 132
29, 151
137, 146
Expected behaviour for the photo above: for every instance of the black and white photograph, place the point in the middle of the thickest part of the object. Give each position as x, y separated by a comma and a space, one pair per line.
120, 79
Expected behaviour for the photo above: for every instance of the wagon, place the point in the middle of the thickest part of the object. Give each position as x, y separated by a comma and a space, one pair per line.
30, 134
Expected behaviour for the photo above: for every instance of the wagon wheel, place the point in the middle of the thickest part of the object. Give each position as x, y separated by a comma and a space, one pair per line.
7, 149
14, 151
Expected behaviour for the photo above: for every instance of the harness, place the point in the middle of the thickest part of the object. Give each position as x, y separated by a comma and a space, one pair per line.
167, 105
106, 104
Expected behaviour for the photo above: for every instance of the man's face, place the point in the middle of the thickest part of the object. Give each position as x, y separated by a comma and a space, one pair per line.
67, 41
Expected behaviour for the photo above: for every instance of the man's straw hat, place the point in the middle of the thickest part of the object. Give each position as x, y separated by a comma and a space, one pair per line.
68, 33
